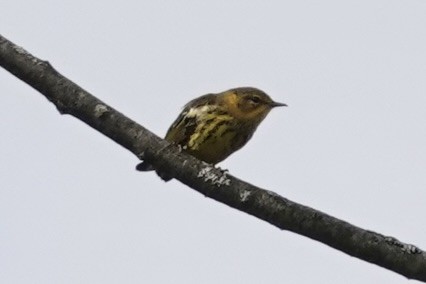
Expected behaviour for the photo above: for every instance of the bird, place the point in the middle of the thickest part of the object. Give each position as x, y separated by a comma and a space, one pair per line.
214, 126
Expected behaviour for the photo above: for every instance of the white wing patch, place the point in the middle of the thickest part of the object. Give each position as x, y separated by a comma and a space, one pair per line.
198, 111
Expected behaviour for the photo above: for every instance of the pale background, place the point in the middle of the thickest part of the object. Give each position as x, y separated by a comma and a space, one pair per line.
352, 142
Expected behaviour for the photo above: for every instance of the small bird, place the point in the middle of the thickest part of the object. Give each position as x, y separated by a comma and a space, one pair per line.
214, 126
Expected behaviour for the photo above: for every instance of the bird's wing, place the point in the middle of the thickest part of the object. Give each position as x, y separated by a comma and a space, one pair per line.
186, 123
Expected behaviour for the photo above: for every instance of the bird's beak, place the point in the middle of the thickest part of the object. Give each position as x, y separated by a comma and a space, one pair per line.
275, 104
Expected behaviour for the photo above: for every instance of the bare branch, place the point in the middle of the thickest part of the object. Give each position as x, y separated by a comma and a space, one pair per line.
69, 98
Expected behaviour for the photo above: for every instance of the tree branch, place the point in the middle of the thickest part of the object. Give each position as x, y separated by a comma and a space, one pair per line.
69, 98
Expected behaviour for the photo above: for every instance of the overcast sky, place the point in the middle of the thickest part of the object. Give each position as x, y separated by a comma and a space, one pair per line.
352, 142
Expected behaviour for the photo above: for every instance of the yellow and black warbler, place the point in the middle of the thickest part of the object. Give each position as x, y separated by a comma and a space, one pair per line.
214, 126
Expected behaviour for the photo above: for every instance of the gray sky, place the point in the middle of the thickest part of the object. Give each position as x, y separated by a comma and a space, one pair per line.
352, 142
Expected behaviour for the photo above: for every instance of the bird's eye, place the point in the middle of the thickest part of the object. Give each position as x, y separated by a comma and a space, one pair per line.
255, 99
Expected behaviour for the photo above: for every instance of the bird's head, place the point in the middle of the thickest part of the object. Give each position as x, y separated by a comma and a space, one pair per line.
249, 103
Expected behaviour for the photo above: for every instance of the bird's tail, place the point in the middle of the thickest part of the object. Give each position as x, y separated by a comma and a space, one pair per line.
146, 167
